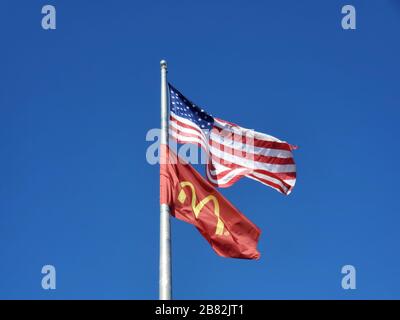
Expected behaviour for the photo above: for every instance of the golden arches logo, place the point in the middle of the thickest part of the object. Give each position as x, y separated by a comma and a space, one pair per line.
199, 206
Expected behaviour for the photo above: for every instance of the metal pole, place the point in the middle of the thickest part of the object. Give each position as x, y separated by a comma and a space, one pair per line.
165, 230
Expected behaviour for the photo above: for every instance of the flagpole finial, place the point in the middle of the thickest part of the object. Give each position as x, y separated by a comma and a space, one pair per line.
163, 64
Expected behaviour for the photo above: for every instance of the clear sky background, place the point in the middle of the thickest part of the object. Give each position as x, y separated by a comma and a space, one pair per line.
76, 103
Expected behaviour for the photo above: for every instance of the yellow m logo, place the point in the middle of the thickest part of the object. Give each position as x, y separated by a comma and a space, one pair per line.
198, 207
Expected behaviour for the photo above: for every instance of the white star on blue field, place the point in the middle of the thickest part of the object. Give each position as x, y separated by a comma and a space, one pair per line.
188, 110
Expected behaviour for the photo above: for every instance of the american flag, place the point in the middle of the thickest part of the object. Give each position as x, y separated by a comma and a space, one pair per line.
233, 151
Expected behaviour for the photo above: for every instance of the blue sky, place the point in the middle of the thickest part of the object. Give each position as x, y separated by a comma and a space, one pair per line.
76, 191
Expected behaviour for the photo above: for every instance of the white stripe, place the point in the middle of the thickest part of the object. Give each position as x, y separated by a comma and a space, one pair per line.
227, 141
277, 189
221, 181
252, 164
187, 130
187, 139
235, 172
243, 131
290, 182
186, 121
221, 169
226, 180
256, 175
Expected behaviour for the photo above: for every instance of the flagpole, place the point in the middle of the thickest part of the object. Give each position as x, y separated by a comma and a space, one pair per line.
165, 230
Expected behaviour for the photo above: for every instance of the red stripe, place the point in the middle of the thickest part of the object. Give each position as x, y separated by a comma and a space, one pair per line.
186, 134
236, 178
279, 176
251, 156
193, 141
274, 185
184, 125
254, 141
220, 176
184, 142
234, 165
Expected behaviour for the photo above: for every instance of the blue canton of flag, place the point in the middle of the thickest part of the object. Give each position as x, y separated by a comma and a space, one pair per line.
186, 109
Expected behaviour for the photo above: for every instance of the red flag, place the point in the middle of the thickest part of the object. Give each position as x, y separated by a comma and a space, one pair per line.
193, 199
